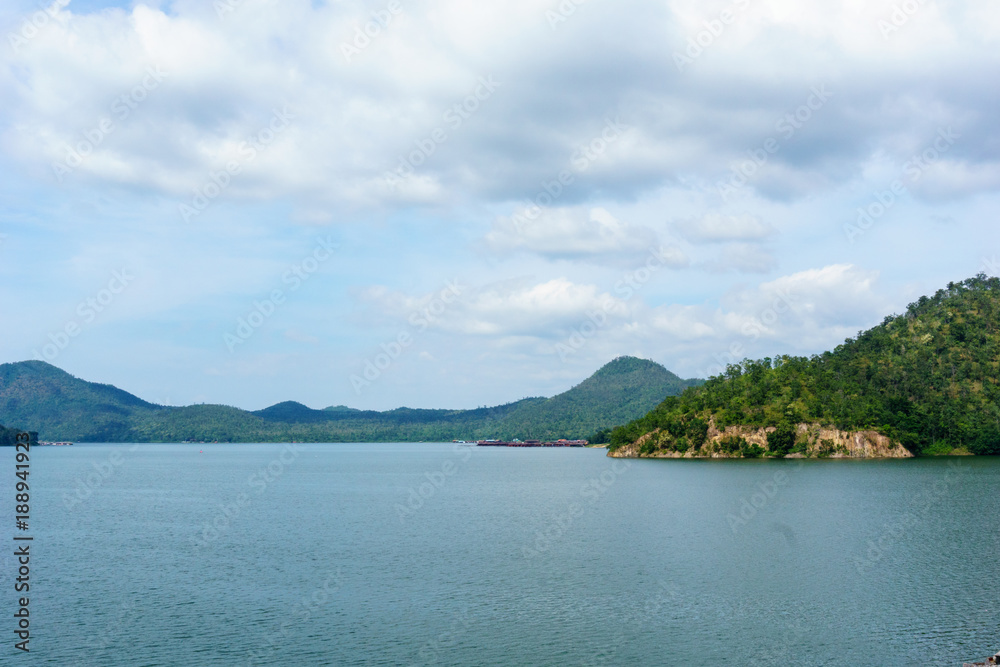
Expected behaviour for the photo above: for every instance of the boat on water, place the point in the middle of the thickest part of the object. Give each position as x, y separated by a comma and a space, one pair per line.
53, 444
532, 443
992, 660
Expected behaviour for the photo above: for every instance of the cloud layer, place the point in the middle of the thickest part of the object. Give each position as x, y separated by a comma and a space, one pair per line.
667, 179
440, 91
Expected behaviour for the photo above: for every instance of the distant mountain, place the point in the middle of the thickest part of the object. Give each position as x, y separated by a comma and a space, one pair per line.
607, 398
42, 397
928, 380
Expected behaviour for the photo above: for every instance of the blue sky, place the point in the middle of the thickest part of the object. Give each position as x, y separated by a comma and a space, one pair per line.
517, 192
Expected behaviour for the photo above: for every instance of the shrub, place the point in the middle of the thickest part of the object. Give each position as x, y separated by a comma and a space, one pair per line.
781, 439
697, 432
602, 437
939, 448
986, 444
825, 449
732, 443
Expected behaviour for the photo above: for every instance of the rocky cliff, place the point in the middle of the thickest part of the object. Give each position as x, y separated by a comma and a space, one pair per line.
812, 441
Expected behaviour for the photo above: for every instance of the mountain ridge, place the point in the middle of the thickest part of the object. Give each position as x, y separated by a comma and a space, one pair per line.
63, 407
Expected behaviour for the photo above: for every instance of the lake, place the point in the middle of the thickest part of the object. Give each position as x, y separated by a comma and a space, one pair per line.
420, 554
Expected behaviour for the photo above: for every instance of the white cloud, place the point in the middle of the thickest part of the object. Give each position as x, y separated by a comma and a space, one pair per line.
823, 304
511, 308
744, 258
719, 228
355, 120
813, 307
837, 294
576, 233
684, 323
947, 180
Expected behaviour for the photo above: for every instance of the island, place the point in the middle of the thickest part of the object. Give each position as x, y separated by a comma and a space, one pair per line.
918, 384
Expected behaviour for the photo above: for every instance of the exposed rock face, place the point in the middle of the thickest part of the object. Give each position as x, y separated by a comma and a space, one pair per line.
819, 442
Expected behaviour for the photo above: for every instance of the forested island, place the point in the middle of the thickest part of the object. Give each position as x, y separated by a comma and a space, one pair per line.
921, 383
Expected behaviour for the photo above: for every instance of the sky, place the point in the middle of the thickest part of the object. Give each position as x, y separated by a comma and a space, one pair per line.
447, 204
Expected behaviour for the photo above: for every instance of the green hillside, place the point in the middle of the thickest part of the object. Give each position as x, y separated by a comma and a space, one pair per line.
8, 436
613, 395
44, 398
62, 407
927, 379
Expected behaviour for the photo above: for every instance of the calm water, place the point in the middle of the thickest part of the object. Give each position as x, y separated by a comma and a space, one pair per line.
164, 555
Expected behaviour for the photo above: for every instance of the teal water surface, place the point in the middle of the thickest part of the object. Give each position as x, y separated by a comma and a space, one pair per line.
419, 554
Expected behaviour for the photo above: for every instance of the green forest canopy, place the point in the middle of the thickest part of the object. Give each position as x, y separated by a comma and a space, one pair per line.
927, 378
8, 436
